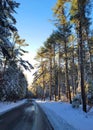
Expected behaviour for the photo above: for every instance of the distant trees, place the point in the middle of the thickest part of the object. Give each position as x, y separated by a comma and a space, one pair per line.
69, 52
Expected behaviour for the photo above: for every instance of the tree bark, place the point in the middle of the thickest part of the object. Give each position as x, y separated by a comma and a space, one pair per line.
59, 74
81, 59
50, 83
55, 89
68, 93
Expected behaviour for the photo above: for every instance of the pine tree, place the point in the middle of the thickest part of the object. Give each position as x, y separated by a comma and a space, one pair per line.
7, 22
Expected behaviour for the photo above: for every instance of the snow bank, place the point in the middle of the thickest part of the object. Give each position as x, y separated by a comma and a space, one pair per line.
63, 116
5, 106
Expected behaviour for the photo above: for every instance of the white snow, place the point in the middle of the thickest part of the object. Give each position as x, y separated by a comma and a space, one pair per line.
5, 106
63, 116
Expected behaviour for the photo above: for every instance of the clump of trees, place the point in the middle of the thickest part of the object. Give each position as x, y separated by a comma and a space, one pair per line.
66, 59
13, 84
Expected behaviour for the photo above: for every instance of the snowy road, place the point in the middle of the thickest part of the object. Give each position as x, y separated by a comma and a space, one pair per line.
26, 117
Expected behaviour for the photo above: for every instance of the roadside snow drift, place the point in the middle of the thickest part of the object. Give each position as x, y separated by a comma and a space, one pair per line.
63, 116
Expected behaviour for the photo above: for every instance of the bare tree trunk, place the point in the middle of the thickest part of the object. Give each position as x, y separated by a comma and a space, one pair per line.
82, 75
50, 83
68, 93
43, 82
73, 73
81, 60
55, 89
59, 75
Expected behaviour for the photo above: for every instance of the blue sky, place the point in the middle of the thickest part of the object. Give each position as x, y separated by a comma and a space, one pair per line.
34, 26
33, 21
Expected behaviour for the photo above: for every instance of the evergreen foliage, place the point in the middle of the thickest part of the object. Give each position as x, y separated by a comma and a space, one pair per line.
68, 53
13, 83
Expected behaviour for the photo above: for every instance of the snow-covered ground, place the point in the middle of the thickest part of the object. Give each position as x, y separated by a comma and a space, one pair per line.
5, 106
63, 116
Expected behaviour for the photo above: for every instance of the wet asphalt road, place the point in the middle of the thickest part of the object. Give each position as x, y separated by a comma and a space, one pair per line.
26, 117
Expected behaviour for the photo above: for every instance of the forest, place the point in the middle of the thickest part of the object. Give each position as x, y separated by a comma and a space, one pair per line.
64, 61
13, 83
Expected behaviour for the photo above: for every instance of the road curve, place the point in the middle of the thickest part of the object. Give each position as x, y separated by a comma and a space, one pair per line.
25, 117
